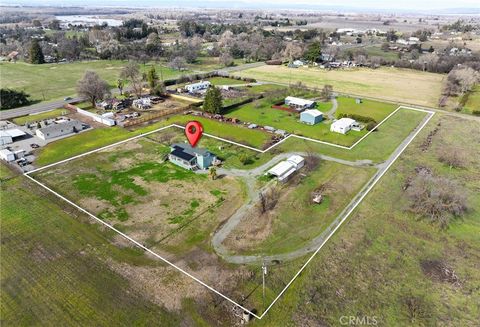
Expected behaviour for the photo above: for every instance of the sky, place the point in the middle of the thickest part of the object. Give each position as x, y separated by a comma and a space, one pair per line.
383, 5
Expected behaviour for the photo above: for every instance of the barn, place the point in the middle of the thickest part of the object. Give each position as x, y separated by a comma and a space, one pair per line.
343, 125
311, 116
298, 103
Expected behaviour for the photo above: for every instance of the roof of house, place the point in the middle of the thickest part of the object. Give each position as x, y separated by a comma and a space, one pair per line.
343, 122
313, 112
59, 126
187, 148
299, 101
178, 152
14, 132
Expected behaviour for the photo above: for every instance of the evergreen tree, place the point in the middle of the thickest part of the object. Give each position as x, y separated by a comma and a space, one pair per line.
36, 53
313, 52
152, 78
213, 101
12, 99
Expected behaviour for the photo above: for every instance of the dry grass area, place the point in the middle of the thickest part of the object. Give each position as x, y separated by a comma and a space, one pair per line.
392, 84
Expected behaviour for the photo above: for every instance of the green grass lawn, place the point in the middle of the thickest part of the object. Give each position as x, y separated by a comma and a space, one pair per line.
55, 267
376, 51
368, 108
261, 113
56, 81
40, 116
219, 81
94, 139
376, 147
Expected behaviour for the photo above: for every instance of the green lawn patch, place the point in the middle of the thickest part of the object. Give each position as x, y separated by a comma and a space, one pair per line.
368, 108
55, 81
40, 116
56, 269
473, 101
261, 112
219, 81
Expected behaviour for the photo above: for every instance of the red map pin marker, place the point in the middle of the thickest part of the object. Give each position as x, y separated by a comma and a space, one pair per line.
193, 131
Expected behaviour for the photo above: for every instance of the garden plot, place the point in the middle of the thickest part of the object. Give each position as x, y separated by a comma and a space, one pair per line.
155, 202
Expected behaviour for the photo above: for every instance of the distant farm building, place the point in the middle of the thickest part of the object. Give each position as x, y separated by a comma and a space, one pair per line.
10, 135
59, 128
188, 157
311, 116
196, 87
7, 155
283, 170
298, 103
343, 125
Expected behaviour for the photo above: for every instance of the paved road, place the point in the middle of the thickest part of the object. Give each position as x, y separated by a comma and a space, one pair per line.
253, 195
314, 244
35, 108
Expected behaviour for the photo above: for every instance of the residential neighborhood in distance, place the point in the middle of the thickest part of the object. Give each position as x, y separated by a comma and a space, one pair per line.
262, 163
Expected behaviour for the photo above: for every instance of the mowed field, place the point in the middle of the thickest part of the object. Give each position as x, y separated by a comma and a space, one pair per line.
56, 81
392, 84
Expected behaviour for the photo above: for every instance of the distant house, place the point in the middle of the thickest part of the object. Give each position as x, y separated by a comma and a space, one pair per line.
284, 169
58, 129
343, 125
311, 116
195, 87
188, 157
298, 103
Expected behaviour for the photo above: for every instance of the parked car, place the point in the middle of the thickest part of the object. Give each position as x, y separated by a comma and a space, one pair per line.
67, 98
34, 146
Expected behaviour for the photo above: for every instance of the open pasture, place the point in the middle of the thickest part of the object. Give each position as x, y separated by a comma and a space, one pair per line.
392, 84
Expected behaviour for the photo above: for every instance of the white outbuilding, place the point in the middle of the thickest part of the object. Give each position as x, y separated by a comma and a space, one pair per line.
285, 168
7, 155
342, 125
195, 87
298, 103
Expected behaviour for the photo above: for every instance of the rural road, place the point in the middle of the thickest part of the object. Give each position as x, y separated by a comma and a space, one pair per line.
331, 112
222, 233
35, 108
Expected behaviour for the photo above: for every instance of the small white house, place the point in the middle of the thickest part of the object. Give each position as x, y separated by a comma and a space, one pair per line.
298, 103
7, 155
195, 87
342, 125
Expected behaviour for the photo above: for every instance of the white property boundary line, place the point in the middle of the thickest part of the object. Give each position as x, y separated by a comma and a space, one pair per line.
27, 174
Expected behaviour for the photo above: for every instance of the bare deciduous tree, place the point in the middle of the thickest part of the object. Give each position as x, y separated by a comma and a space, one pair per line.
268, 199
452, 157
178, 63
131, 73
437, 198
92, 87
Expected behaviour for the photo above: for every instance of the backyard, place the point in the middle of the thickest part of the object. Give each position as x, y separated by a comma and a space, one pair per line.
261, 112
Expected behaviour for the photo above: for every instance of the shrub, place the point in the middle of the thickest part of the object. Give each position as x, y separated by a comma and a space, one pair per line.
371, 125
360, 118
12, 99
476, 112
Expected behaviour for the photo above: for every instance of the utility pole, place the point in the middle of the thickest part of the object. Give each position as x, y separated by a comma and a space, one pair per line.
264, 273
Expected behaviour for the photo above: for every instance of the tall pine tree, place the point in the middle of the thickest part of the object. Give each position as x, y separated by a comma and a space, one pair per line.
213, 101
36, 53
